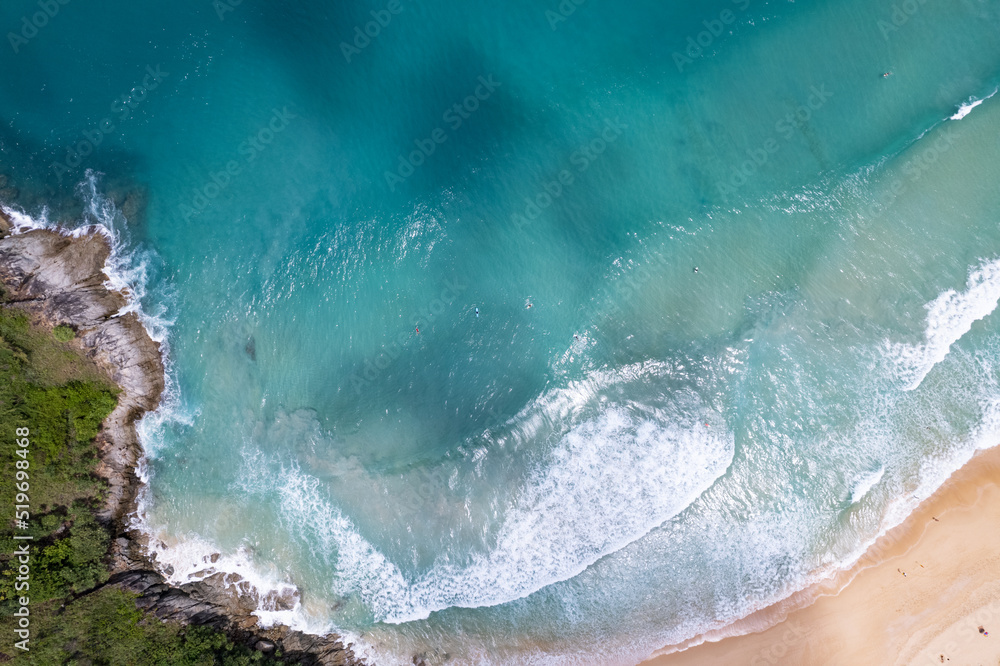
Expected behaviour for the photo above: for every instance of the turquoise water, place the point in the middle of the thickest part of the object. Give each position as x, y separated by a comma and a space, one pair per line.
646, 452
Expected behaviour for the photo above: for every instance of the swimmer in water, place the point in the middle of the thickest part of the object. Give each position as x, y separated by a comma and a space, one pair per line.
886, 75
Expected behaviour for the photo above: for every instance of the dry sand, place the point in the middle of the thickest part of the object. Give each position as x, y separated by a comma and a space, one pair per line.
949, 550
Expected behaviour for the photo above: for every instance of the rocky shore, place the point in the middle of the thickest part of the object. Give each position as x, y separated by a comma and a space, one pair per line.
59, 281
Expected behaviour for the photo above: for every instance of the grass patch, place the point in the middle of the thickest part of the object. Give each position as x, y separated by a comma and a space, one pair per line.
63, 333
51, 364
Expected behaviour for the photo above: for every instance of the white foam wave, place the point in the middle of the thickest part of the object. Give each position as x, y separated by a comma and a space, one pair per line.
188, 559
967, 108
949, 317
934, 472
608, 482
865, 484
360, 566
566, 404
126, 268
22, 222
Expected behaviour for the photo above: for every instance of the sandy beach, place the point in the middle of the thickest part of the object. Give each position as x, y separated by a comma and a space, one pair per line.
949, 551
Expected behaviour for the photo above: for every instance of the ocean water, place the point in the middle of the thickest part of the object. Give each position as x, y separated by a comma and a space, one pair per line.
762, 281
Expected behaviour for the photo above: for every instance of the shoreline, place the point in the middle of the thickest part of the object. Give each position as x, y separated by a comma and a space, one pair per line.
58, 278
868, 613
949, 550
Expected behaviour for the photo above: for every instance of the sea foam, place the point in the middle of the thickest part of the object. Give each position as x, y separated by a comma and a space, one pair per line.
865, 484
967, 108
603, 483
949, 317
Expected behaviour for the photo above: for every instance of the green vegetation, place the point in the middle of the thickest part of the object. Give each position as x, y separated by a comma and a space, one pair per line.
61, 398
109, 630
63, 333
62, 406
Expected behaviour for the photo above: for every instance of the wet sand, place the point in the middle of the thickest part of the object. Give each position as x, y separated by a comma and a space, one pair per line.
949, 550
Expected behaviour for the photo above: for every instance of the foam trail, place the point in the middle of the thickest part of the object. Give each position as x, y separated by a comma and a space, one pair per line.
865, 484
608, 481
22, 222
967, 108
126, 268
606, 486
188, 558
949, 317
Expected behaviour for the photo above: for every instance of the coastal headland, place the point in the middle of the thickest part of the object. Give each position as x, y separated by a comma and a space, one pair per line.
58, 280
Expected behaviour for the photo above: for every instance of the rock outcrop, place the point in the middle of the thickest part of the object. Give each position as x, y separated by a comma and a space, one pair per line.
59, 280
199, 603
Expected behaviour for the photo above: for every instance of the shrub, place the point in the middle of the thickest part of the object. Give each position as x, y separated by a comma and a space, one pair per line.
105, 628
63, 333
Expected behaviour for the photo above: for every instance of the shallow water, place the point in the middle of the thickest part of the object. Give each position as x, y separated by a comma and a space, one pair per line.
645, 452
